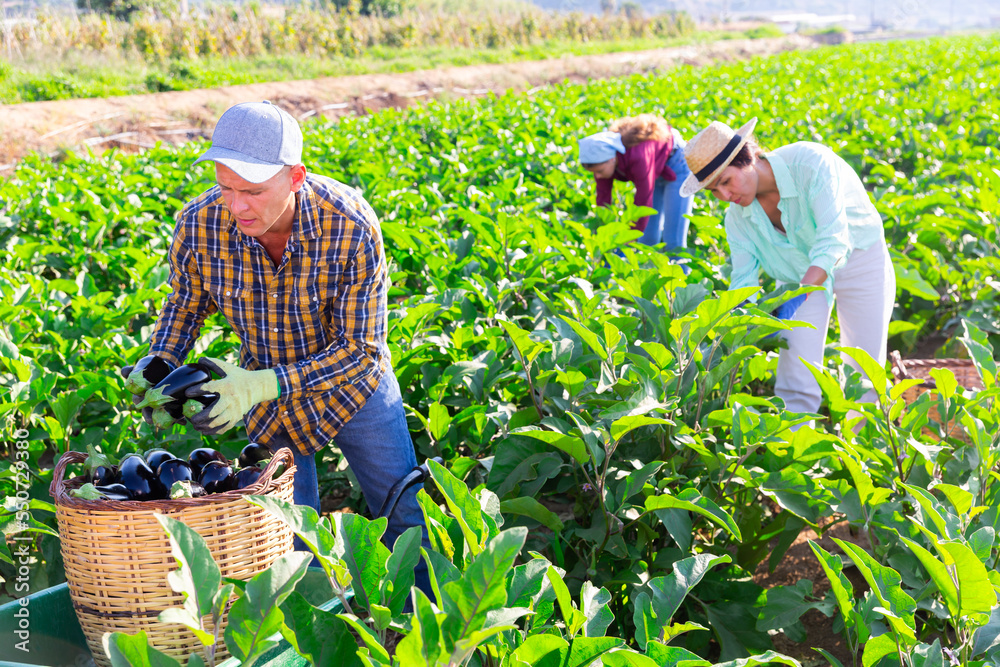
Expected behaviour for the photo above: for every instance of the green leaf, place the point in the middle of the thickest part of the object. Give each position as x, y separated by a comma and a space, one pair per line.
978, 345
885, 582
439, 420
928, 655
591, 339
368, 638
829, 657
572, 445
975, 591
465, 508
627, 658
594, 605
871, 368
959, 498
317, 635
257, 615
878, 648
674, 656
669, 591
198, 579
527, 348
312, 530
572, 617
422, 645
399, 569
929, 512
691, 500
765, 658
364, 554
841, 586
530, 507
134, 651
939, 575
552, 651
784, 607
621, 427
483, 585
909, 279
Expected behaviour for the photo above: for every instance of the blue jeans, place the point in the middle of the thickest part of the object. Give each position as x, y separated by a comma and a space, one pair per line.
669, 225
377, 444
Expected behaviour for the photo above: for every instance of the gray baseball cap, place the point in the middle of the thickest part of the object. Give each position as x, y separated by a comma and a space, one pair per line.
255, 139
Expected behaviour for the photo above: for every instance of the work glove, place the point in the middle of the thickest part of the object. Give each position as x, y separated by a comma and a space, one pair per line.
787, 310
238, 389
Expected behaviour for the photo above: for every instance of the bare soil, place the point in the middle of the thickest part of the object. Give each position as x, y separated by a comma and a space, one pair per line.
800, 563
139, 121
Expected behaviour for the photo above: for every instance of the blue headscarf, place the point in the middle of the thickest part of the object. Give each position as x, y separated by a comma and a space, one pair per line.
600, 147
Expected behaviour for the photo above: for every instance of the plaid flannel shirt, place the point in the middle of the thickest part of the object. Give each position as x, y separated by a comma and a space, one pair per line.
318, 319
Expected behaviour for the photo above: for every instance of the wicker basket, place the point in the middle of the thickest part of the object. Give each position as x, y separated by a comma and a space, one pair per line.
117, 555
965, 372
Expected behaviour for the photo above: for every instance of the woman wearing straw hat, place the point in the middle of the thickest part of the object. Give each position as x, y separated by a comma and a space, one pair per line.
802, 215
648, 152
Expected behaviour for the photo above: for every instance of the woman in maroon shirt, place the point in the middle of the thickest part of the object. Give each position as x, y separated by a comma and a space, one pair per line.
648, 152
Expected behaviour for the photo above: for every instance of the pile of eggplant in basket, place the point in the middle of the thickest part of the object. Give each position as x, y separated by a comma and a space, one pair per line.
159, 475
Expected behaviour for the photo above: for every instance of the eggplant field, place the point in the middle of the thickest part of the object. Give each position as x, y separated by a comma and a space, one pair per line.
616, 466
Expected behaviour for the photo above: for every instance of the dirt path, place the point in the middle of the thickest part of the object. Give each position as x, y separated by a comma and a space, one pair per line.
140, 120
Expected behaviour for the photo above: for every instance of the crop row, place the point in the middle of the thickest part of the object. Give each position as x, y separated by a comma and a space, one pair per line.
619, 408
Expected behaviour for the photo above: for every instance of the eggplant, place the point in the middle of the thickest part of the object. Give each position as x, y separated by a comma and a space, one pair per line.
254, 453
104, 475
140, 479
247, 476
147, 372
199, 457
115, 492
173, 470
186, 488
196, 404
155, 457
162, 418
170, 390
217, 477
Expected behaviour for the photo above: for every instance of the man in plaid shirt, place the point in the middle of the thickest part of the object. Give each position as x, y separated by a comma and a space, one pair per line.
295, 263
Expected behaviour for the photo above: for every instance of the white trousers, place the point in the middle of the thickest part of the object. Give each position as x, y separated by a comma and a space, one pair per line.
865, 292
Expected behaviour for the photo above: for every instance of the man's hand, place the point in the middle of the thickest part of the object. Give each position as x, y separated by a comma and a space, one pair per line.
787, 310
238, 390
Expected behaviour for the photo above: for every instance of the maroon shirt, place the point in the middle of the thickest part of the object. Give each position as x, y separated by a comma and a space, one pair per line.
642, 164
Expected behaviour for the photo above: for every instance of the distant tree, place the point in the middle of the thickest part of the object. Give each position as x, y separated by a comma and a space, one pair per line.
608, 6
631, 9
370, 7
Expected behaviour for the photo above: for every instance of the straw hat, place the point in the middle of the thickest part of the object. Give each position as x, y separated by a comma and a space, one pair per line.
711, 151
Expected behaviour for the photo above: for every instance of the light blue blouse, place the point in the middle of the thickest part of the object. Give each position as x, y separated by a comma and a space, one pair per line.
825, 211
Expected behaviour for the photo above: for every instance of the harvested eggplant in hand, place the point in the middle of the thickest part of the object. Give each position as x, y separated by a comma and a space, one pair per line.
146, 373
217, 477
170, 390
